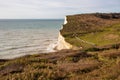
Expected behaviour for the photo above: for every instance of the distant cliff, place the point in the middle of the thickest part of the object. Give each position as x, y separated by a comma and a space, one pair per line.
92, 30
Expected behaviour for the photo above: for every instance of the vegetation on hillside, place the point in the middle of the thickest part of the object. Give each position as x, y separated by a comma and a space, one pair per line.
91, 64
99, 29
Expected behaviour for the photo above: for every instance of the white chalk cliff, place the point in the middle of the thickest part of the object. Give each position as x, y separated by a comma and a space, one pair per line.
62, 44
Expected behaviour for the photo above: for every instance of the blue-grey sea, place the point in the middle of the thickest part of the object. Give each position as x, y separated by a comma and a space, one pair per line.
19, 37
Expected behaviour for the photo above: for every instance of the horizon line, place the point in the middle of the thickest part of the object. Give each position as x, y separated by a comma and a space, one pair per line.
34, 18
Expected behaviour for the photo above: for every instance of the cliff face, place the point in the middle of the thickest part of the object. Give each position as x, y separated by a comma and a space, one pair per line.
90, 30
62, 44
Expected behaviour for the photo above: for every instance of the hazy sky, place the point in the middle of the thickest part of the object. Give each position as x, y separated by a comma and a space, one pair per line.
25, 9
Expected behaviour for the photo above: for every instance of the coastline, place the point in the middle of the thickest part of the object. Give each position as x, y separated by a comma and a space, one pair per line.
94, 63
62, 44
24, 37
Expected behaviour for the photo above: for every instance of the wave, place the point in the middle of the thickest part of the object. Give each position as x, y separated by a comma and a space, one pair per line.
15, 48
51, 47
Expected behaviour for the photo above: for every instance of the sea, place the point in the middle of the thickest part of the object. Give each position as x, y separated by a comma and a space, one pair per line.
20, 37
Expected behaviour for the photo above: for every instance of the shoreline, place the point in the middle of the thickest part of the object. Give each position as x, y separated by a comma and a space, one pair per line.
32, 36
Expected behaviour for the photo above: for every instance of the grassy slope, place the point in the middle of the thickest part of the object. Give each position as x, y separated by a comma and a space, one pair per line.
64, 65
92, 28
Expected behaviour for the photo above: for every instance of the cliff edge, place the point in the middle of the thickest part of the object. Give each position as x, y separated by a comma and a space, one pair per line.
91, 30
62, 44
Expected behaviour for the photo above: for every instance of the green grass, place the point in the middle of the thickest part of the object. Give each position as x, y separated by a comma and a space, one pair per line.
109, 35
100, 29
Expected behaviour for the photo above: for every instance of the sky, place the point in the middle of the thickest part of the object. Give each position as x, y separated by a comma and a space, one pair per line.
54, 9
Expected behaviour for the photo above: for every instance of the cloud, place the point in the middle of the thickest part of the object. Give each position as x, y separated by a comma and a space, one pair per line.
54, 8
